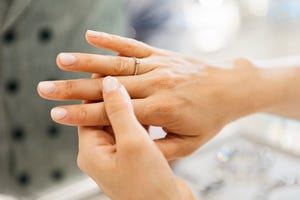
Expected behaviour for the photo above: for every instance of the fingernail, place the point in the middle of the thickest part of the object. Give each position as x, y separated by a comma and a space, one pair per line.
67, 59
110, 84
58, 113
46, 87
91, 33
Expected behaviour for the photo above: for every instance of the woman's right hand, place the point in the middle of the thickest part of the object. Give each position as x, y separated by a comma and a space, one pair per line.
125, 163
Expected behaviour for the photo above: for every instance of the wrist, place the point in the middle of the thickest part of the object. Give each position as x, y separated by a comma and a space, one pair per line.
265, 89
250, 89
282, 84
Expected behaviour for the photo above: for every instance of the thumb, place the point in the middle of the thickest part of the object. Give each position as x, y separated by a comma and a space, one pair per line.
120, 112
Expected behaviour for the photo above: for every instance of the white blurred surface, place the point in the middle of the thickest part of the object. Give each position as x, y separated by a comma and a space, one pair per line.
220, 30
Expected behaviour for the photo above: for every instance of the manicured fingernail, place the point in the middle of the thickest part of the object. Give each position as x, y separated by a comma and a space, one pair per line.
91, 33
67, 59
46, 87
110, 84
58, 113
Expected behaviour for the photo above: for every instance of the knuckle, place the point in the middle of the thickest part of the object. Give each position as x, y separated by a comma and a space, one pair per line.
121, 65
168, 114
118, 107
108, 40
166, 109
82, 114
88, 61
68, 92
164, 80
162, 108
130, 45
160, 111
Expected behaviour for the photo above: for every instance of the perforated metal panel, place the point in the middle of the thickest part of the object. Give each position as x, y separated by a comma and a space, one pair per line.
37, 155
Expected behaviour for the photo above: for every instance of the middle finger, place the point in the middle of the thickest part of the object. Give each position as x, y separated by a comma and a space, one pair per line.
90, 89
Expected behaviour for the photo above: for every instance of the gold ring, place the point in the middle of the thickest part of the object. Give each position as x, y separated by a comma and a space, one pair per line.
136, 66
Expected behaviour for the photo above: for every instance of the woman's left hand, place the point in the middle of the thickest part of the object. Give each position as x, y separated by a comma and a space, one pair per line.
190, 99
126, 164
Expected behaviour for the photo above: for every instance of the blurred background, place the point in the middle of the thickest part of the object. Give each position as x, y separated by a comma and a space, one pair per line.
254, 158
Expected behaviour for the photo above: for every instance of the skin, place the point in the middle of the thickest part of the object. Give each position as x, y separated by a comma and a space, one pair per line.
126, 164
191, 99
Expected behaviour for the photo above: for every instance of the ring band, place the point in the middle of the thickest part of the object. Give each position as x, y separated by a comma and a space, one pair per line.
136, 66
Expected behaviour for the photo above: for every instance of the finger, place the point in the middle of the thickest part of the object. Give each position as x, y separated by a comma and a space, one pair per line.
150, 111
93, 76
95, 150
120, 112
177, 146
90, 89
125, 46
100, 64
94, 137
92, 114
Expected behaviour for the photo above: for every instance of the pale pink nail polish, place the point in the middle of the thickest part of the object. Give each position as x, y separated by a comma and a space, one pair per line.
94, 34
46, 87
58, 113
67, 59
110, 84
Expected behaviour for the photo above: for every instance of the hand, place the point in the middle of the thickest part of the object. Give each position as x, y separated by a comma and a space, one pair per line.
190, 99
127, 164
